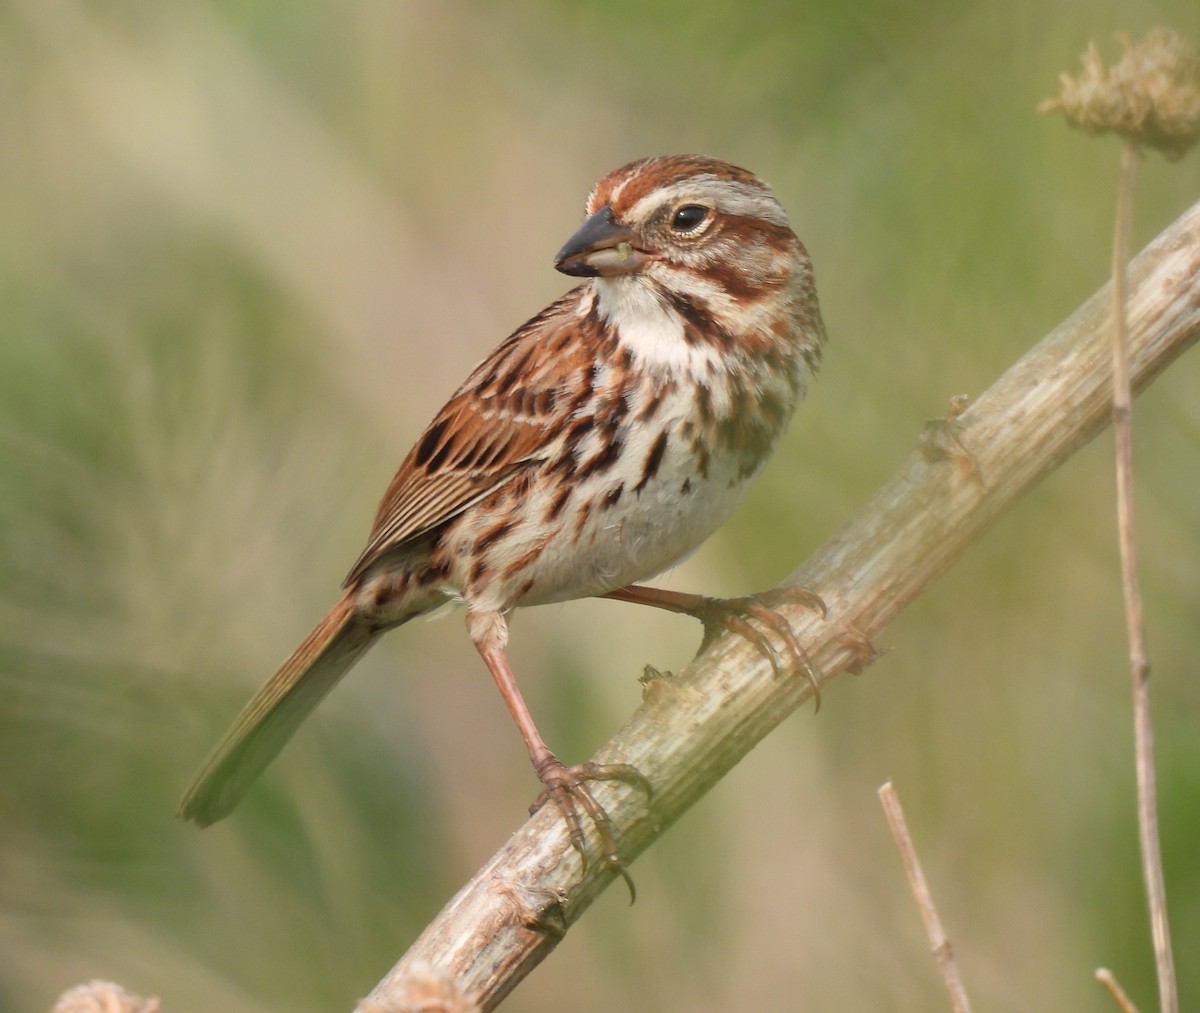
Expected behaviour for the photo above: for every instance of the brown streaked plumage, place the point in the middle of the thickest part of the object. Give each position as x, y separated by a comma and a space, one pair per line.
595, 447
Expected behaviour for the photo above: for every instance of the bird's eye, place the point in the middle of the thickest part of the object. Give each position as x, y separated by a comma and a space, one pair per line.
689, 218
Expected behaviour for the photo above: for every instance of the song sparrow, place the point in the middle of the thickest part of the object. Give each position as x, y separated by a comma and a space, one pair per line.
597, 446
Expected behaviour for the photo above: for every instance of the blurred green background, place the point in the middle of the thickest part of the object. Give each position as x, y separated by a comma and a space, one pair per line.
246, 250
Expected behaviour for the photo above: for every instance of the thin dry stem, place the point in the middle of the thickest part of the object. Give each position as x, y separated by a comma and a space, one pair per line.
938, 941
1105, 977
1139, 663
693, 727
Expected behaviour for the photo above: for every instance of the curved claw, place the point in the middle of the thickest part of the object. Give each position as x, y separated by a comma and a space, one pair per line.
729, 613
566, 787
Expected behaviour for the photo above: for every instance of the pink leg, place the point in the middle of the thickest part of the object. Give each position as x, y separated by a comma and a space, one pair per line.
731, 614
566, 786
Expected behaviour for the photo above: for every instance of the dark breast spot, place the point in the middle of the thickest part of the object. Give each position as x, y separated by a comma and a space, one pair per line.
490, 537
653, 461
603, 459
559, 501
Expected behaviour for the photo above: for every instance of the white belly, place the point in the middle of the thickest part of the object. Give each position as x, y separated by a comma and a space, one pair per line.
645, 532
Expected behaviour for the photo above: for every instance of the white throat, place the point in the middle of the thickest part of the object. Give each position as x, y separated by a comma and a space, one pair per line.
652, 330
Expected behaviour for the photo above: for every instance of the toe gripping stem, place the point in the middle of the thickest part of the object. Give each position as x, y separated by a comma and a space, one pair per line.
567, 787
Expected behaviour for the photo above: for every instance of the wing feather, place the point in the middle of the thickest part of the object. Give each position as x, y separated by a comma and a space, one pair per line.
499, 423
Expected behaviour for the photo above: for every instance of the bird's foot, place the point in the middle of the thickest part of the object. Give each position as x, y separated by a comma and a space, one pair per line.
566, 786
734, 614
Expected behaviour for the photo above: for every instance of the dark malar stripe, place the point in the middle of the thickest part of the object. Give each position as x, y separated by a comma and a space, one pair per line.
700, 326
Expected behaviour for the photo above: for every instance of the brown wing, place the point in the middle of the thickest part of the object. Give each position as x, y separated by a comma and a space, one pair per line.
499, 423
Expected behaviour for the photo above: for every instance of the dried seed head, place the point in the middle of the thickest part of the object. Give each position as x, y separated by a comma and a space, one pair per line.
1150, 97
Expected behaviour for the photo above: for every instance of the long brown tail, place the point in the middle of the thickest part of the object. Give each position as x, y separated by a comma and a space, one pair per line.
275, 712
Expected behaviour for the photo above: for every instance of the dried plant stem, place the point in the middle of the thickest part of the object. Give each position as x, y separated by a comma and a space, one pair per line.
938, 941
1139, 662
694, 726
1105, 977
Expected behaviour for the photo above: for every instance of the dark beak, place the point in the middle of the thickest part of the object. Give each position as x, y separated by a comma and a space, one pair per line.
600, 247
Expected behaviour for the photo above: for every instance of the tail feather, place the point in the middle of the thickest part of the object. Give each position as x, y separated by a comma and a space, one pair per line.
275, 712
